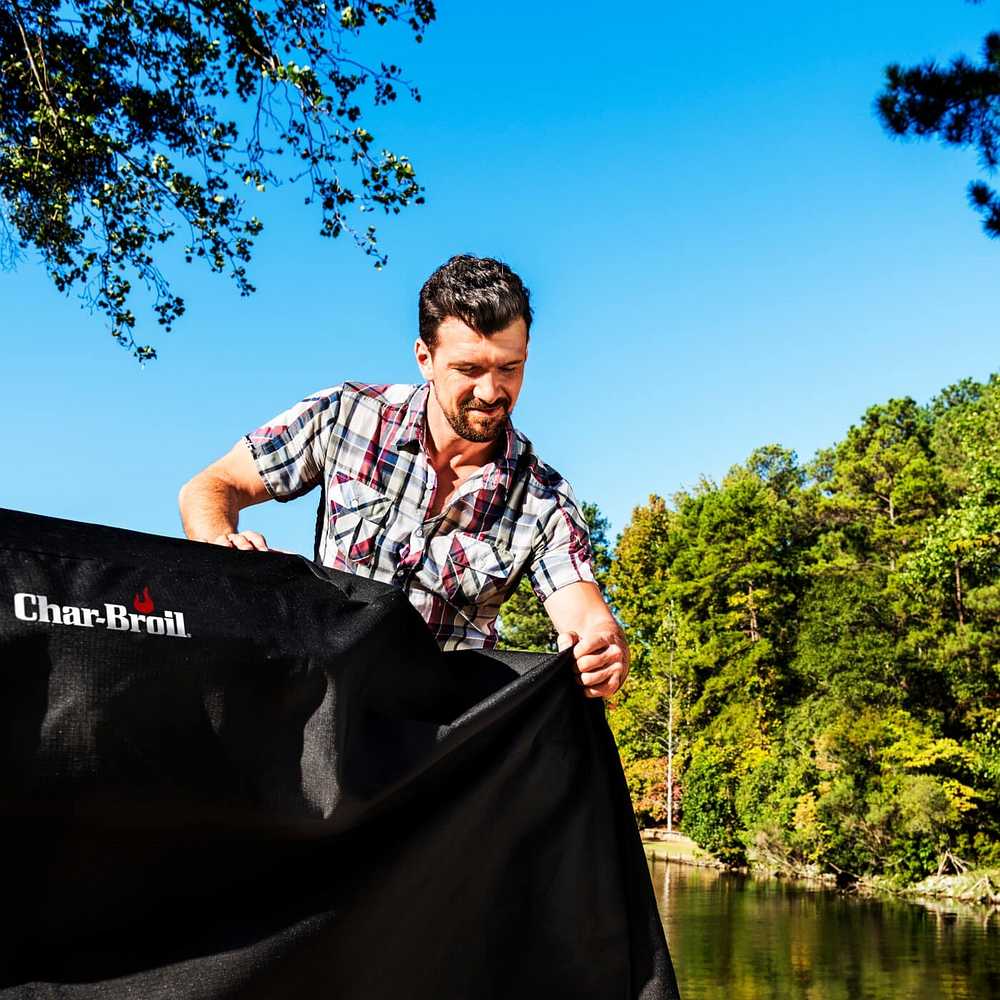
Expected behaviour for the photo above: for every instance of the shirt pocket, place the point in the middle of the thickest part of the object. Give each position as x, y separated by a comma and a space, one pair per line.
476, 569
357, 516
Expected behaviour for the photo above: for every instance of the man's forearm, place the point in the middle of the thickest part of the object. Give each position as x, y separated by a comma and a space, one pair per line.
584, 621
210, 502
209, 507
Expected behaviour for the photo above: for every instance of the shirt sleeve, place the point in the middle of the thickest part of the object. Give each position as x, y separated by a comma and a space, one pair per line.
290, 449
563, 553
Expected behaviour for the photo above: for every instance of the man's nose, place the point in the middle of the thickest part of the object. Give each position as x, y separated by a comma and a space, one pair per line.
486, 389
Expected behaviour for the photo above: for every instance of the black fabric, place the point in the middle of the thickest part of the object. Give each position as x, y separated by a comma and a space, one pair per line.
302, 799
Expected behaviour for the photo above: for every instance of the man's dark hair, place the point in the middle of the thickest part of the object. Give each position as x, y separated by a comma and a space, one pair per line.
482, 292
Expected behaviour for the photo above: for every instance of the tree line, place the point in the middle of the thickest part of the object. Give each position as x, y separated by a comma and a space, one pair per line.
832, 633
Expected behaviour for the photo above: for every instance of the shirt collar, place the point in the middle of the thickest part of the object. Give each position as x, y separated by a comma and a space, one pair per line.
413, 427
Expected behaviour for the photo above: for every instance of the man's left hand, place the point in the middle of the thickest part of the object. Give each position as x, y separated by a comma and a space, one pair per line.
601, 659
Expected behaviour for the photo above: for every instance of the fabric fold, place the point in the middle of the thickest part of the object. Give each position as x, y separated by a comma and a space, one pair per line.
241, 775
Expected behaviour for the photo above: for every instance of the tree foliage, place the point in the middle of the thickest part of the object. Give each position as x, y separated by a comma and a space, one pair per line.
958, 104
832, 632
126, 125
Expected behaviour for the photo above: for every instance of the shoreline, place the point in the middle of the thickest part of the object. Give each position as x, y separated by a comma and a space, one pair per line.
662, 846
976, 891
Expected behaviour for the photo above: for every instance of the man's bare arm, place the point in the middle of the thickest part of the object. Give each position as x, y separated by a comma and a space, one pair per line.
210, 502
585, 622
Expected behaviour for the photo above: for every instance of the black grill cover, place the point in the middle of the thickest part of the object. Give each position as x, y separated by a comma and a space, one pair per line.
270, 783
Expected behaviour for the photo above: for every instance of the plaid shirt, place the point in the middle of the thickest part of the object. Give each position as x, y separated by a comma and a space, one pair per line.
365, 445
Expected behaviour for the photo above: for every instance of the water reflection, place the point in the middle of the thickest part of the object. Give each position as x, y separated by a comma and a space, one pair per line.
752, 939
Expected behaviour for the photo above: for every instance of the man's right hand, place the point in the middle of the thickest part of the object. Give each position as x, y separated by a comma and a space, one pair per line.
246, 540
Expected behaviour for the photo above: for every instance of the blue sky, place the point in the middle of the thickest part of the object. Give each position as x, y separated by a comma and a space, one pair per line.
724, 251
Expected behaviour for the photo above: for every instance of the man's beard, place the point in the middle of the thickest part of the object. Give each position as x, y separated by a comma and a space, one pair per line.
460, 424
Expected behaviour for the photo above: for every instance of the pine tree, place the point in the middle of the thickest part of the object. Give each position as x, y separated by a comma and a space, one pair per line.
958, 104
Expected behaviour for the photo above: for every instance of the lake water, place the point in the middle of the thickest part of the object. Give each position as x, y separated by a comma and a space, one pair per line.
738, 938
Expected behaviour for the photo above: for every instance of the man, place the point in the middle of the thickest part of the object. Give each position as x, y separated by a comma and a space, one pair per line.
430, 487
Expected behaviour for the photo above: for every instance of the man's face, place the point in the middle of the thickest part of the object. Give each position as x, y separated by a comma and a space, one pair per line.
476, 379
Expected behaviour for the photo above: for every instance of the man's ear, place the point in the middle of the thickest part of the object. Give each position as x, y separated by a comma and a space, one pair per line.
423, 355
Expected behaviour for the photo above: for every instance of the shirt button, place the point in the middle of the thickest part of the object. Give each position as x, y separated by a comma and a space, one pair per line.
420, 532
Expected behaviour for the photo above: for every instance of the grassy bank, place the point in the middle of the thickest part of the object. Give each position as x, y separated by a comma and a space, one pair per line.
975, 888
661, 846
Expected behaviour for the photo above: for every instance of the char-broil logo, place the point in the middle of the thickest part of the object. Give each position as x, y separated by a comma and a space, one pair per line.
116, 617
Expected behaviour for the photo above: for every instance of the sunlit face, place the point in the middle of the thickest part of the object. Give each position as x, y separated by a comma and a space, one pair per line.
476, 379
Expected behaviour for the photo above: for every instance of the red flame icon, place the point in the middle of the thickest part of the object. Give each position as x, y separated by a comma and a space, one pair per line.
144, 604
